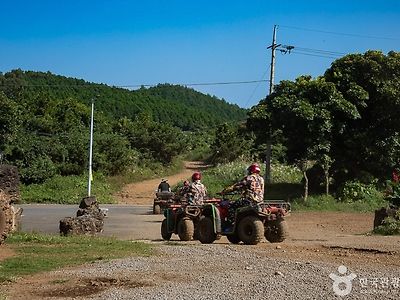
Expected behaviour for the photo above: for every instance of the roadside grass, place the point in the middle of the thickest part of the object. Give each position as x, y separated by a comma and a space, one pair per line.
285, 179
329, 203
67, 190
71, 189
38, 253
287, 185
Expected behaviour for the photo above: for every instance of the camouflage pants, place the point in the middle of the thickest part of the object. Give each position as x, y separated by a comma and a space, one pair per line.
234, 206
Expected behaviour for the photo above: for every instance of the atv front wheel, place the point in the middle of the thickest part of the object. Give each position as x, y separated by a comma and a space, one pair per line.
276, 231
233, 238
164, 231
185, 229
250, 230
205, 231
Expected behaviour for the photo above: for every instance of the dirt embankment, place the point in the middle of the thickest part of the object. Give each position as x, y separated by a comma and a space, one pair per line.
142, 193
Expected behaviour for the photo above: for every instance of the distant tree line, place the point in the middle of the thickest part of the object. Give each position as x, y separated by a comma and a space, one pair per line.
44, 124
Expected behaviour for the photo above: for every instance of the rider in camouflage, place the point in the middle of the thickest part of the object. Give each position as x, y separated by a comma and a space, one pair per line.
252, 186
197, 190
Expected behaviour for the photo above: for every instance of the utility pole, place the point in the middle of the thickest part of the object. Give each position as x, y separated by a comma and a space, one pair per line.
271, 89
91, 151
273, 48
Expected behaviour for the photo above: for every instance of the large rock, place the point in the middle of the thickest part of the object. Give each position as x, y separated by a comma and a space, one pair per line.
89, 219
9, 194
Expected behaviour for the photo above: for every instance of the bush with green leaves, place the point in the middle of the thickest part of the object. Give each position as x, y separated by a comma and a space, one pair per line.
390, 226
67, 190
285, 173
354, 191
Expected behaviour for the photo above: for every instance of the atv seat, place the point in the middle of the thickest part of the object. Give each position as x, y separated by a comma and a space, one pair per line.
165, 195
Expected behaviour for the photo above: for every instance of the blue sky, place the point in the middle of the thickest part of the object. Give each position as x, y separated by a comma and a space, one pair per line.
149, 42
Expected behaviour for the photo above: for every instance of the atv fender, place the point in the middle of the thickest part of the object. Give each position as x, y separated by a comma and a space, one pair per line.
212, 212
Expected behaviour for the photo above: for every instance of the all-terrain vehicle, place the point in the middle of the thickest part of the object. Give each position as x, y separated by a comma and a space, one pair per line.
251, 222
182, 219
162, 201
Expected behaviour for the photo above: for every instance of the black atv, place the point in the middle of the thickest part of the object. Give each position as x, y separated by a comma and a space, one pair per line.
161, 201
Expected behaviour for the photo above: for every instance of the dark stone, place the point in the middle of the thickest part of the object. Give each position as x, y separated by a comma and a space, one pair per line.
89, 219
381, 214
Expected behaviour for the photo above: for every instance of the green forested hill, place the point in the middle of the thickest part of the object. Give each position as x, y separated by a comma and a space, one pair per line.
44, 121
180, 106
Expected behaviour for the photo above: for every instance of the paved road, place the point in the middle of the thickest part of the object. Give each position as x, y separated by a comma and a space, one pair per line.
123, 221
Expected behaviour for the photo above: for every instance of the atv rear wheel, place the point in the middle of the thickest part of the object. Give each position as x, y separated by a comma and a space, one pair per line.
250, 230
233, 238
185, 229
164, 231
205, 231
156, 209
276, 231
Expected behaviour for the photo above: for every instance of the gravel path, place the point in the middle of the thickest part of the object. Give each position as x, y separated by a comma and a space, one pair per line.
217, 271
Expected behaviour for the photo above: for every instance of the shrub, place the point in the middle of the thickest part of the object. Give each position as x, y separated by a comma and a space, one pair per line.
66, 190
354, 191
390, 226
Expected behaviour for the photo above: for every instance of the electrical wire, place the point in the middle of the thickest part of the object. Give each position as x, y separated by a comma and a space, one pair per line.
315, 55
88, 85
257, 86
342, 33
319, 51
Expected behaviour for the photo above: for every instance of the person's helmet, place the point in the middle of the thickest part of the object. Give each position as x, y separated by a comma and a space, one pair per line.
254, 168
164, 180
186, 183
196, 176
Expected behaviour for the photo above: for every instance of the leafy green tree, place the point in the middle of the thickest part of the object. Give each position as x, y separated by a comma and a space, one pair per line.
304, 116
229, 144
369, 144
161, 141
8, 120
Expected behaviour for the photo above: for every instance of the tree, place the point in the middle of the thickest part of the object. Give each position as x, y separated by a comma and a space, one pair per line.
229, 144
369, 144
306, 113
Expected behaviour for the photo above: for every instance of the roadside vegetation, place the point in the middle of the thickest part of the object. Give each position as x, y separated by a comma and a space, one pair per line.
39, 253
334, 138
390, 226
287, 185
70, 189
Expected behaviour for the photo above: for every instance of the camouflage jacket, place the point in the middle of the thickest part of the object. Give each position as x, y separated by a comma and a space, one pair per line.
198, 191
254, 187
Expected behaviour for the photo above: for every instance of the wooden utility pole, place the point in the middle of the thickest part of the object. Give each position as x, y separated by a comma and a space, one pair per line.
271, 89
273, 48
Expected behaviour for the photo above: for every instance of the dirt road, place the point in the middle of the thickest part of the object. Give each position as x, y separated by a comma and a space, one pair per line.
142, 193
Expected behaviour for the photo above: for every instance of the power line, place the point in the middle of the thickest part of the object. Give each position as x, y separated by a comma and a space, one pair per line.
315, 55
257, 86
136, 85
320, 51
342, 33
198, 84
284, 49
